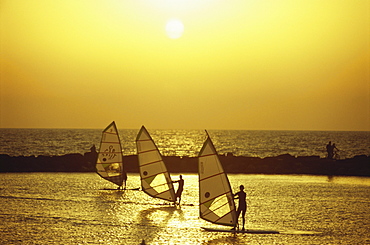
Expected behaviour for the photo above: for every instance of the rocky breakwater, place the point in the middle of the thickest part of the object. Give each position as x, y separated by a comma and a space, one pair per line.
283, 164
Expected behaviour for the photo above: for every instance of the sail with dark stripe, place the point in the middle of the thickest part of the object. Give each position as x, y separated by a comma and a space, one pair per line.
216, 203
109, 163
155, 179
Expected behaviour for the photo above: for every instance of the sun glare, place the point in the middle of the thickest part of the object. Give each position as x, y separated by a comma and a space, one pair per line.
174, 28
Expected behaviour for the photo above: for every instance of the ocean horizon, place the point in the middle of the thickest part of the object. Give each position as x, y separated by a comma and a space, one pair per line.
186, 142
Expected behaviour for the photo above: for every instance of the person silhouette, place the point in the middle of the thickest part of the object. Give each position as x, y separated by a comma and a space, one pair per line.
179, 189
335, 150
329, 150
124, 180
242, 208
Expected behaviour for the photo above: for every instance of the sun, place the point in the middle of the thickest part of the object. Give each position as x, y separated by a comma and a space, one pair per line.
174, 28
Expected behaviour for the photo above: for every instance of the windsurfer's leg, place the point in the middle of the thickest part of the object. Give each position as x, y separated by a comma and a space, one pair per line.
237, 218
243, 217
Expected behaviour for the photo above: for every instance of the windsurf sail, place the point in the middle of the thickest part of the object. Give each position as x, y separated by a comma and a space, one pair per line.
155, 179
109, 162
216, 203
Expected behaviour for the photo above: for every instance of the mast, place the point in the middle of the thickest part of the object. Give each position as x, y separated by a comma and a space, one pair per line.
109, 163
216, 203
155, 179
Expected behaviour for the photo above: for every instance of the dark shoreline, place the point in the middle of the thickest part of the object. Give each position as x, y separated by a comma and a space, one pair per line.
283, 164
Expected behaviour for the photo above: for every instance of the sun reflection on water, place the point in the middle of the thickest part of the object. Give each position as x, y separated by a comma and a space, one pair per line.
76, 208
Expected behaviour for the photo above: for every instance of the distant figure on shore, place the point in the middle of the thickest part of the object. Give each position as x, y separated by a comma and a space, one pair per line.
335, 151
179, 189
242, 208
329, 150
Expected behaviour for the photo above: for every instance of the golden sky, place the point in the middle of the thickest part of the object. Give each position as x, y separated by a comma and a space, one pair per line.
238, 64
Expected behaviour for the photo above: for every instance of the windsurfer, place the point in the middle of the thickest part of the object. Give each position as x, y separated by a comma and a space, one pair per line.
124, 179
124, 175
180, 189
242, 208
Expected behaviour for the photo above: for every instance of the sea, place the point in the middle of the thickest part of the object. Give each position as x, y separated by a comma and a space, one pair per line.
251, 143
82, 208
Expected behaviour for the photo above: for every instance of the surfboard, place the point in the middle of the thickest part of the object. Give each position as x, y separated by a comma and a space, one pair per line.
251, 231
261, 231
127, 189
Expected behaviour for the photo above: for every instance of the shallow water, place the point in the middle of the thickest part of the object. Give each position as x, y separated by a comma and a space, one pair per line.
75, 208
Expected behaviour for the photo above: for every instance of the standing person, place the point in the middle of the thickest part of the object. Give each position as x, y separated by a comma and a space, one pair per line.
180, 189
335, 150
124, 178
242, 208
329, 150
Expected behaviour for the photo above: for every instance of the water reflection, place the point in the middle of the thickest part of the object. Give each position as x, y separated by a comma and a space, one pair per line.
231, 239
153, 221
330, 178
70, 208
346, 180
107, 204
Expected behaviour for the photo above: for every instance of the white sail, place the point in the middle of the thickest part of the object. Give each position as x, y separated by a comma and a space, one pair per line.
216, 203
155, 179
109, 162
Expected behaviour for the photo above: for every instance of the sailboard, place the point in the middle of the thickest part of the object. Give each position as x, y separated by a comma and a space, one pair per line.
216, 203
216, 200
109, 164
250, 231
155, 179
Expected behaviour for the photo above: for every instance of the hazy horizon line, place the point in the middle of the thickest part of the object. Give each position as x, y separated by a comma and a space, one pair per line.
210, 129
